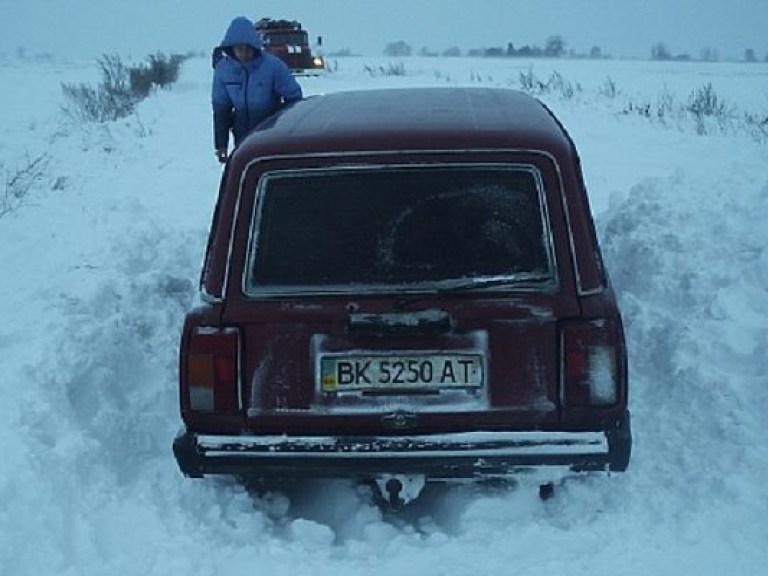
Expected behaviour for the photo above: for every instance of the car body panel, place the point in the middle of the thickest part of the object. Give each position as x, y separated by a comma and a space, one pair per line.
319, 361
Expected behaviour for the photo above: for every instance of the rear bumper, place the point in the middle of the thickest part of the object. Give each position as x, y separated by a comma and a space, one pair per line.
470, 455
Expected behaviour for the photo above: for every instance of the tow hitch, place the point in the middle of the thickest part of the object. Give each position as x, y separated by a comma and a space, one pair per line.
397, 490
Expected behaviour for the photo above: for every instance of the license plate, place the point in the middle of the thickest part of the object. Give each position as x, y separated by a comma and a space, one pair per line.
409, 371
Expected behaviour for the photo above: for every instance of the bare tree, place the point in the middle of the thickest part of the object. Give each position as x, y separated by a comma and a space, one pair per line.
659, 51
555, 46
398, 49
709, 54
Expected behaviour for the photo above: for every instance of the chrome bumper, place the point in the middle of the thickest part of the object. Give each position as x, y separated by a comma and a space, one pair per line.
470, 455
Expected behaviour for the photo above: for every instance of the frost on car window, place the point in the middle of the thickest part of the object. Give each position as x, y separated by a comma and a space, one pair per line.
397, 227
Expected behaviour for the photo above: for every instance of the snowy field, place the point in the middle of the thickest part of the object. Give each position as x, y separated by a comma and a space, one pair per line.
99, 260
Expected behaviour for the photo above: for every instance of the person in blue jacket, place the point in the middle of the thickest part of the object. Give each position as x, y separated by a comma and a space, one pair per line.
248, 86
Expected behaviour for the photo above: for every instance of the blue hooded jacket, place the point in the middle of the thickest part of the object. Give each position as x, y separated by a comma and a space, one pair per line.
245, 93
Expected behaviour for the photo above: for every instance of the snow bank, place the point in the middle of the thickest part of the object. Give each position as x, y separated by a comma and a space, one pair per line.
688, 258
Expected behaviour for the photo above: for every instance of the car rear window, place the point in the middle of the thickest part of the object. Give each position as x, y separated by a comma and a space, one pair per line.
397, 227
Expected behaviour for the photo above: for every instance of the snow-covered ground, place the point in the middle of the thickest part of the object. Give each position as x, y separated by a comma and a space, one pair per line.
99, 262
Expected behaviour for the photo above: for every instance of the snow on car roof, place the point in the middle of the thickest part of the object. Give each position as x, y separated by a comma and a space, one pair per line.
410, 118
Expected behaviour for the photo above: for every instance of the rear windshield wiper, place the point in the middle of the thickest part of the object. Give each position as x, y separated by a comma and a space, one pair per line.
470, 284
460, 284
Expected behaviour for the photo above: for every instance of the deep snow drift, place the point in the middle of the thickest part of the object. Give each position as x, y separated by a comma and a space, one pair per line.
99, 261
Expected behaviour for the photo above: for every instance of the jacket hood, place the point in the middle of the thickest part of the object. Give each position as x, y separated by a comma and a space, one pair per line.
242, 31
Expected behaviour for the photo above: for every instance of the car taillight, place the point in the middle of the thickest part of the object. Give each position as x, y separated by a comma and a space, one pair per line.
210, 373
591, 364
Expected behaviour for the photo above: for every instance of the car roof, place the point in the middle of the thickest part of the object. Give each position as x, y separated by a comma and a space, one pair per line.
441, 118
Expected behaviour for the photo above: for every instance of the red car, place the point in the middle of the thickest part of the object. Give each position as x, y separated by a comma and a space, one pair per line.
404, 286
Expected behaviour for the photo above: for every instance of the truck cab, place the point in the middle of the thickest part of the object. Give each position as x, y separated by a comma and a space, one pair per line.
288, 41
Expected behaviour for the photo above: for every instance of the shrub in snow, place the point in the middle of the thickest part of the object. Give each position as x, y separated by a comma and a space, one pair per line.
703, 104
121, 87
705, 109
110, 100
609, 88
159, 70
559, 85
530, 83
756, 125
19, 183
392, 69
556, 84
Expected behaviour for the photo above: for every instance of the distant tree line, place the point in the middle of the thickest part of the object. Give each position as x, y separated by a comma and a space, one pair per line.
661, 52
555, 47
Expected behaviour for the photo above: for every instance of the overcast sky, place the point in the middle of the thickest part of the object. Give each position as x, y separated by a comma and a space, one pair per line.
623, 28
